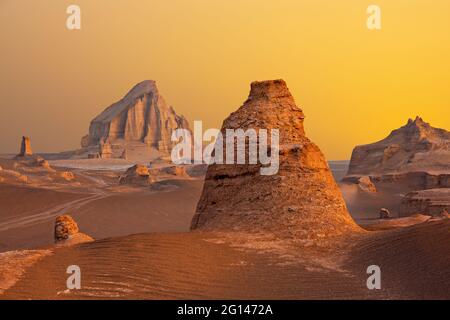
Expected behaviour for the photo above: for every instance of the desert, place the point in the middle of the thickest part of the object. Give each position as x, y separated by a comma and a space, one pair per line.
141, 227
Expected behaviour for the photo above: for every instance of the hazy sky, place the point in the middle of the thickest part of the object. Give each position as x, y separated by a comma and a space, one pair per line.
353, 84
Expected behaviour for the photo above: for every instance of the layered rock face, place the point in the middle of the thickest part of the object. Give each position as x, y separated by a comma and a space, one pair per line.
417, 146
105, 150
301, 201
141, 117
412, 158
432, 202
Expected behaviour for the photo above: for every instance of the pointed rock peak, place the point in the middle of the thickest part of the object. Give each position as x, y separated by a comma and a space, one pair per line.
417, 122
269, 105
417, 125
269, 89
141, 117
300, 201
142, 88
25, 147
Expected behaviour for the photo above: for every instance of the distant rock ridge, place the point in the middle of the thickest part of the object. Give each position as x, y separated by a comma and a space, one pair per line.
434, 202
301, 201
417, 146
141, 117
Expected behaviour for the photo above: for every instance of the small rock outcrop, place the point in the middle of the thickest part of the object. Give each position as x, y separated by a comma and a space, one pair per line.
94, 155
85, 141
301, 201
178, 171
41, 162
13, 176
136, 175
444, 214
142, 119
25, 147
67, 231
365, 184
65, 227
67, 175
385, 213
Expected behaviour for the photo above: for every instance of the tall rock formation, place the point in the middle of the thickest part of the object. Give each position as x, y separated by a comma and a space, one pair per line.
301, 201
25, 147
142, 117
415, 147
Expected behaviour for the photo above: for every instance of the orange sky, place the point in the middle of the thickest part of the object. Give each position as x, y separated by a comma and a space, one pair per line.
353, 84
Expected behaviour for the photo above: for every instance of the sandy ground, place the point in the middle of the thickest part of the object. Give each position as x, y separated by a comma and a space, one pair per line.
164, 261
414, 262
29, 224
95, 200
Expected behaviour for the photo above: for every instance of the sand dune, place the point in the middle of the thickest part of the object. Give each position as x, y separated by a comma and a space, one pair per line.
197, 266
28, 214
415, 261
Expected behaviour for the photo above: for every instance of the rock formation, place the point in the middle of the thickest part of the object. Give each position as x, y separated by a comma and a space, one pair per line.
41, 162
411, 180
384, 213
65, 227
67, 232
444, 214
178, 171
136, 175
124, 154
415, 147
365, 184
301, 201
142, 118
25, 147
85, 141
105, 150
94, 155
13, 176
67, 175
429, 202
